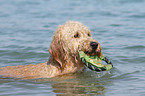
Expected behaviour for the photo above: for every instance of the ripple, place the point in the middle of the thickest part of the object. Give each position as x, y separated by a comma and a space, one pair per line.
108, 14
116, 25
130, 1
135, 47
138, 16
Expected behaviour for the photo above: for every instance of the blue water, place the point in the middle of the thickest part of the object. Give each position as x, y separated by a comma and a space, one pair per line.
26, 31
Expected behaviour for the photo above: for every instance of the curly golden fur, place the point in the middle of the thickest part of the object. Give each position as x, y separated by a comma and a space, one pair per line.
68, 40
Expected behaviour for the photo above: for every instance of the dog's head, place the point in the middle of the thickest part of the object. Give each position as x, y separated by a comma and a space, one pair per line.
71, 38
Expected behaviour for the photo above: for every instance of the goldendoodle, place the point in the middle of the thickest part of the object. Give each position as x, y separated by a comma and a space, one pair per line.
68, 40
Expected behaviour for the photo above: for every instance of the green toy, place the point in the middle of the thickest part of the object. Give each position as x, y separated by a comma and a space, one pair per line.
94, 62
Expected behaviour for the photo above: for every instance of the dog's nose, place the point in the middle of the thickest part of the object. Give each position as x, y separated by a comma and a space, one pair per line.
94, 45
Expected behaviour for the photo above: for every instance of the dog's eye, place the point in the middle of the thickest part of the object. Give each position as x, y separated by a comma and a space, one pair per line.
76, 35
89, 34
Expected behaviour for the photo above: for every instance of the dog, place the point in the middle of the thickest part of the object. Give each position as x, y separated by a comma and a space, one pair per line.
68, 40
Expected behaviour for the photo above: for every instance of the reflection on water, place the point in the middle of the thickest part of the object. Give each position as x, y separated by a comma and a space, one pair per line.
78, 87
77, 84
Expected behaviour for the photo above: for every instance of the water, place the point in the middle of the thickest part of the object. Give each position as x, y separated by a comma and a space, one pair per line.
26, 31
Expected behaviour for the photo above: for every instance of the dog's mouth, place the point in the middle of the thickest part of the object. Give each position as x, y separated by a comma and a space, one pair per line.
93, 53
92, 57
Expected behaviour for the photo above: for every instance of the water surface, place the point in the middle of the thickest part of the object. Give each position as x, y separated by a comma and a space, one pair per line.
26, 31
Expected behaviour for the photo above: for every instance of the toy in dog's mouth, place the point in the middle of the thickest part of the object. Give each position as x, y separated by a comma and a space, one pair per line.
94, 62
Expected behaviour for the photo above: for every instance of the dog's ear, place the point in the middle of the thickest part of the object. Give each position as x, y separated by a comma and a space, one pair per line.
57, 52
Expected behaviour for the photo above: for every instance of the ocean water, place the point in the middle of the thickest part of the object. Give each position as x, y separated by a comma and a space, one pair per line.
26, 31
